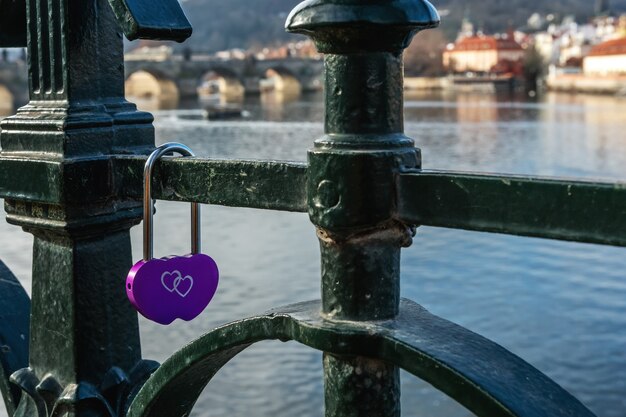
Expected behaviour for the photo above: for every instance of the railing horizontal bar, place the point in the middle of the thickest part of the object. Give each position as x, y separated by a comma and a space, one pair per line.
581, 211
55, 182
267, 185
35, 181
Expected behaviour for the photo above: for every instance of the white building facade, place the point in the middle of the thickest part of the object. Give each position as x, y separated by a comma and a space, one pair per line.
606, 59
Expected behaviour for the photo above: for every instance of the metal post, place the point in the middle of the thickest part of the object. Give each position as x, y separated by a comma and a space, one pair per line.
351, 180
84, 333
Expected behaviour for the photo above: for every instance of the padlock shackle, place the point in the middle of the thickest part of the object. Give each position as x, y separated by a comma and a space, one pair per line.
148, 203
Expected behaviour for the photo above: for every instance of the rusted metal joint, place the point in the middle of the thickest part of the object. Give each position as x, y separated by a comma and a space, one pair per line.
390, 231
353, 191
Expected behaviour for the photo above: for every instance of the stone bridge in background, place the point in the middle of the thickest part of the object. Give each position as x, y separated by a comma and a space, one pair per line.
181, 79
229, 77
13, 86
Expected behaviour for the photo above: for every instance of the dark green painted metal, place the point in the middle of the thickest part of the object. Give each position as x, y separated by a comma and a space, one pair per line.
493, 383
54, 181
352, 169
375, 75
109, 398
269, 185
25, 179
552, 208
343, 374
14, 334
154, 19
12, 23
357, 25
581, 211
56, 172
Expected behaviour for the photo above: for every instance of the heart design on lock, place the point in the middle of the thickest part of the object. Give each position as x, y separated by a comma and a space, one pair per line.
175, 282
174, 287
165, 289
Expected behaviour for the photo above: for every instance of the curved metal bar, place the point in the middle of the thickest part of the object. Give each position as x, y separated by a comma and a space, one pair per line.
14, 334
148, 204
481, 375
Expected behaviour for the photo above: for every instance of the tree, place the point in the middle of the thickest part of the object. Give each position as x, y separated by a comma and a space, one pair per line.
425, 54
534, 67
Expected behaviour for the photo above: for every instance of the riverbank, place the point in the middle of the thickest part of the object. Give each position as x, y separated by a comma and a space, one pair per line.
567, 83
427, 83
483, 84
578, 83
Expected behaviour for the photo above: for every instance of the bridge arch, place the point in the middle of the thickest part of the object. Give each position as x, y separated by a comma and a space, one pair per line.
223, 83
7, 100
152, 89
282, 81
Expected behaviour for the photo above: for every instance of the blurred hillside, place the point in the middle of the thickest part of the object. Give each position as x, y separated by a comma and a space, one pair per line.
220, 24
493, 16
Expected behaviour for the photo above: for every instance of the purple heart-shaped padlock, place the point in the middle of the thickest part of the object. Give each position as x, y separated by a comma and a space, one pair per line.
178, 287
175, 287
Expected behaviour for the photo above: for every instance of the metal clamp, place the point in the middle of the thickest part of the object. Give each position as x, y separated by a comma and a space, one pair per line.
148, 203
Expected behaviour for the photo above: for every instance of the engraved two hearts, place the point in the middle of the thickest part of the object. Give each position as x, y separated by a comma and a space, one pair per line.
178, 287
175, 282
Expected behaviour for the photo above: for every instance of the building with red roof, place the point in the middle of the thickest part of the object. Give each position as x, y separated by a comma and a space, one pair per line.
484, 54
607, 58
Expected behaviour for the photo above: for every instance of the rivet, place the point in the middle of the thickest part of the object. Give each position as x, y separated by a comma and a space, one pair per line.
327, 194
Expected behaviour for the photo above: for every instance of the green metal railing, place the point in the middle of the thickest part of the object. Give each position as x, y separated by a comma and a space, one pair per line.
71, 174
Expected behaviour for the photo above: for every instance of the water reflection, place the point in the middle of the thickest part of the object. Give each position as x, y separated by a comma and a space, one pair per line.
149, 103
558, 305
527, 136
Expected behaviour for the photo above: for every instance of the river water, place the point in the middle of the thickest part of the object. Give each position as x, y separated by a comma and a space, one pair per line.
560, 306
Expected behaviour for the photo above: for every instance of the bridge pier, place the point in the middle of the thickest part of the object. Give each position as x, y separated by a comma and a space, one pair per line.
13, 86
152, 91
303, 75
6, 101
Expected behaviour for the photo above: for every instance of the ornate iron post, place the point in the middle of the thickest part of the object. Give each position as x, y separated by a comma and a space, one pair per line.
84, 347
351, 182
